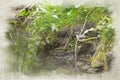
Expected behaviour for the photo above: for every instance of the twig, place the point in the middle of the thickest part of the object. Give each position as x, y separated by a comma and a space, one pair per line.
85, 21
84, 59
76, 54
88, 39
24, 57
71, 31
12, 39
62, 48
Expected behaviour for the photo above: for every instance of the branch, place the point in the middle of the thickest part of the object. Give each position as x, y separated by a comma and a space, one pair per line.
68, 39
88, 39
85, 21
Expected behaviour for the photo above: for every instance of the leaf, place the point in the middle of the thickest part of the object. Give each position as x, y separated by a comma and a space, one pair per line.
24, 12
53, 27
55, 16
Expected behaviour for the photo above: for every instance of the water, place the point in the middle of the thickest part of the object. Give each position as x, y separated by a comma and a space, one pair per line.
6, 12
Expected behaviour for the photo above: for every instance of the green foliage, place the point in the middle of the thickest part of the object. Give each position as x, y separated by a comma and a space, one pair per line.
35, 27
24, 12
107, 36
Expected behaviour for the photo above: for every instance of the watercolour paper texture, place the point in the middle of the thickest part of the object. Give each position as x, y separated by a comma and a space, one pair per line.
8, 13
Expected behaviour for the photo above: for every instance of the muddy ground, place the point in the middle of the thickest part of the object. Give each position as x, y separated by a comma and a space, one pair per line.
65, 54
